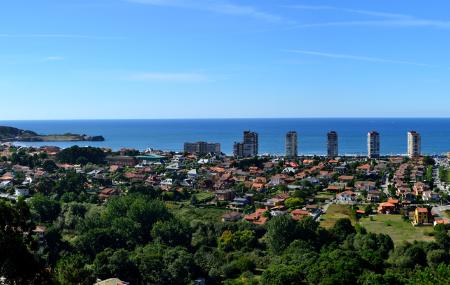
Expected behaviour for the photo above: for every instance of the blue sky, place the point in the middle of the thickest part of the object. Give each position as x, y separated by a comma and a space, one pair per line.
114, 59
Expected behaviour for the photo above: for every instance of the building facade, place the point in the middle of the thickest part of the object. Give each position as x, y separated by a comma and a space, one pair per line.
373, 144
291, 144
249, 147
332, 144
414, 144
202, 148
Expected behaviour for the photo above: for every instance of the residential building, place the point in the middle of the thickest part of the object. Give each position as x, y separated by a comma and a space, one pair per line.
202, 148
373, 144
422, 216
291, 144
346, 197
414, 144
249, 147
121, 160
332, 144
231, 217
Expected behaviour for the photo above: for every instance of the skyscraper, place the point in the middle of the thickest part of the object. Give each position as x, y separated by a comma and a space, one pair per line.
202, 148
332, 144
291, 144
414, 144
373, 144
249, 147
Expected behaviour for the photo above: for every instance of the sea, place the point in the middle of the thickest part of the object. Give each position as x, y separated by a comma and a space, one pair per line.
171, 134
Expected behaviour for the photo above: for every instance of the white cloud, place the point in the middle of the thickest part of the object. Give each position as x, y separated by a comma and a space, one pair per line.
53, 58
357, 57
60, 36
384, 19
169, 77
216, 6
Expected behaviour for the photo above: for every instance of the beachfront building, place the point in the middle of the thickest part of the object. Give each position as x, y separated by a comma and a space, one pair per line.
202, 148
291, 144
414, 144
249, 147
332, 144
373, 144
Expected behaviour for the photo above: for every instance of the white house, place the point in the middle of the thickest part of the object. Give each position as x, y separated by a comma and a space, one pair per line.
22, 192
346, 197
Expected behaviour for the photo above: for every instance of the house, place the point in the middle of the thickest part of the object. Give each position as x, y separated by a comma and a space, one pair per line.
360, 213
8, 176
422, 216
346, 197
299, 214
374, 196
167, 184
289, 170
231, 217
274, 202
430, 196
111, 281
22, 192
346, 178
39, 231
224, 195
442, 221
386, 208
107, 193
363, 169
121, 160
419, 188
277, 180
257, 217
365, 185
192, 174
336, 187
5, 184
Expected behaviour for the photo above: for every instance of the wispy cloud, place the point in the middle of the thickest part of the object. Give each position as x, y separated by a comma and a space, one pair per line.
380, 19
169, 77
53, 58
60, 36
357, 58
217, 6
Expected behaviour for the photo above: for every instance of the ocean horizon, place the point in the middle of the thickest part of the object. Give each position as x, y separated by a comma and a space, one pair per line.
171, 134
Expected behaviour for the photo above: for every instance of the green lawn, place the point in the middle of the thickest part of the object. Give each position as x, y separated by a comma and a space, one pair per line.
324, 196
192, 214
204, 196
398, 229
334, 213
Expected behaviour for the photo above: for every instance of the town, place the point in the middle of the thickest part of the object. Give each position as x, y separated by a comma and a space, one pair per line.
405, 197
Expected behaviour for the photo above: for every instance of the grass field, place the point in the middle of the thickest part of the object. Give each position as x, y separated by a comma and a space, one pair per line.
324, 196
204, 196
192, 214
398, 229
334, 213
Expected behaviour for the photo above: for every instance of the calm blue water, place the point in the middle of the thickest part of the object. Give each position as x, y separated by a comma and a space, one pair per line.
171, 134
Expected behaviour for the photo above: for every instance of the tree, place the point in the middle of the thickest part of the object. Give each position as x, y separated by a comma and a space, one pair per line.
172, 233
293, 203
281, 231
71, 270
343, 228
115, 263
335, 267
49, 165
158, 264
46, 208
437, 256
82, 155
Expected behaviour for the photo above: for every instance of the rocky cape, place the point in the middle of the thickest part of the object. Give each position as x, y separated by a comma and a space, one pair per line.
10, 134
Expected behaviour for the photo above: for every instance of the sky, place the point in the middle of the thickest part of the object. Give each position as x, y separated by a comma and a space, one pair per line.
145, 59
